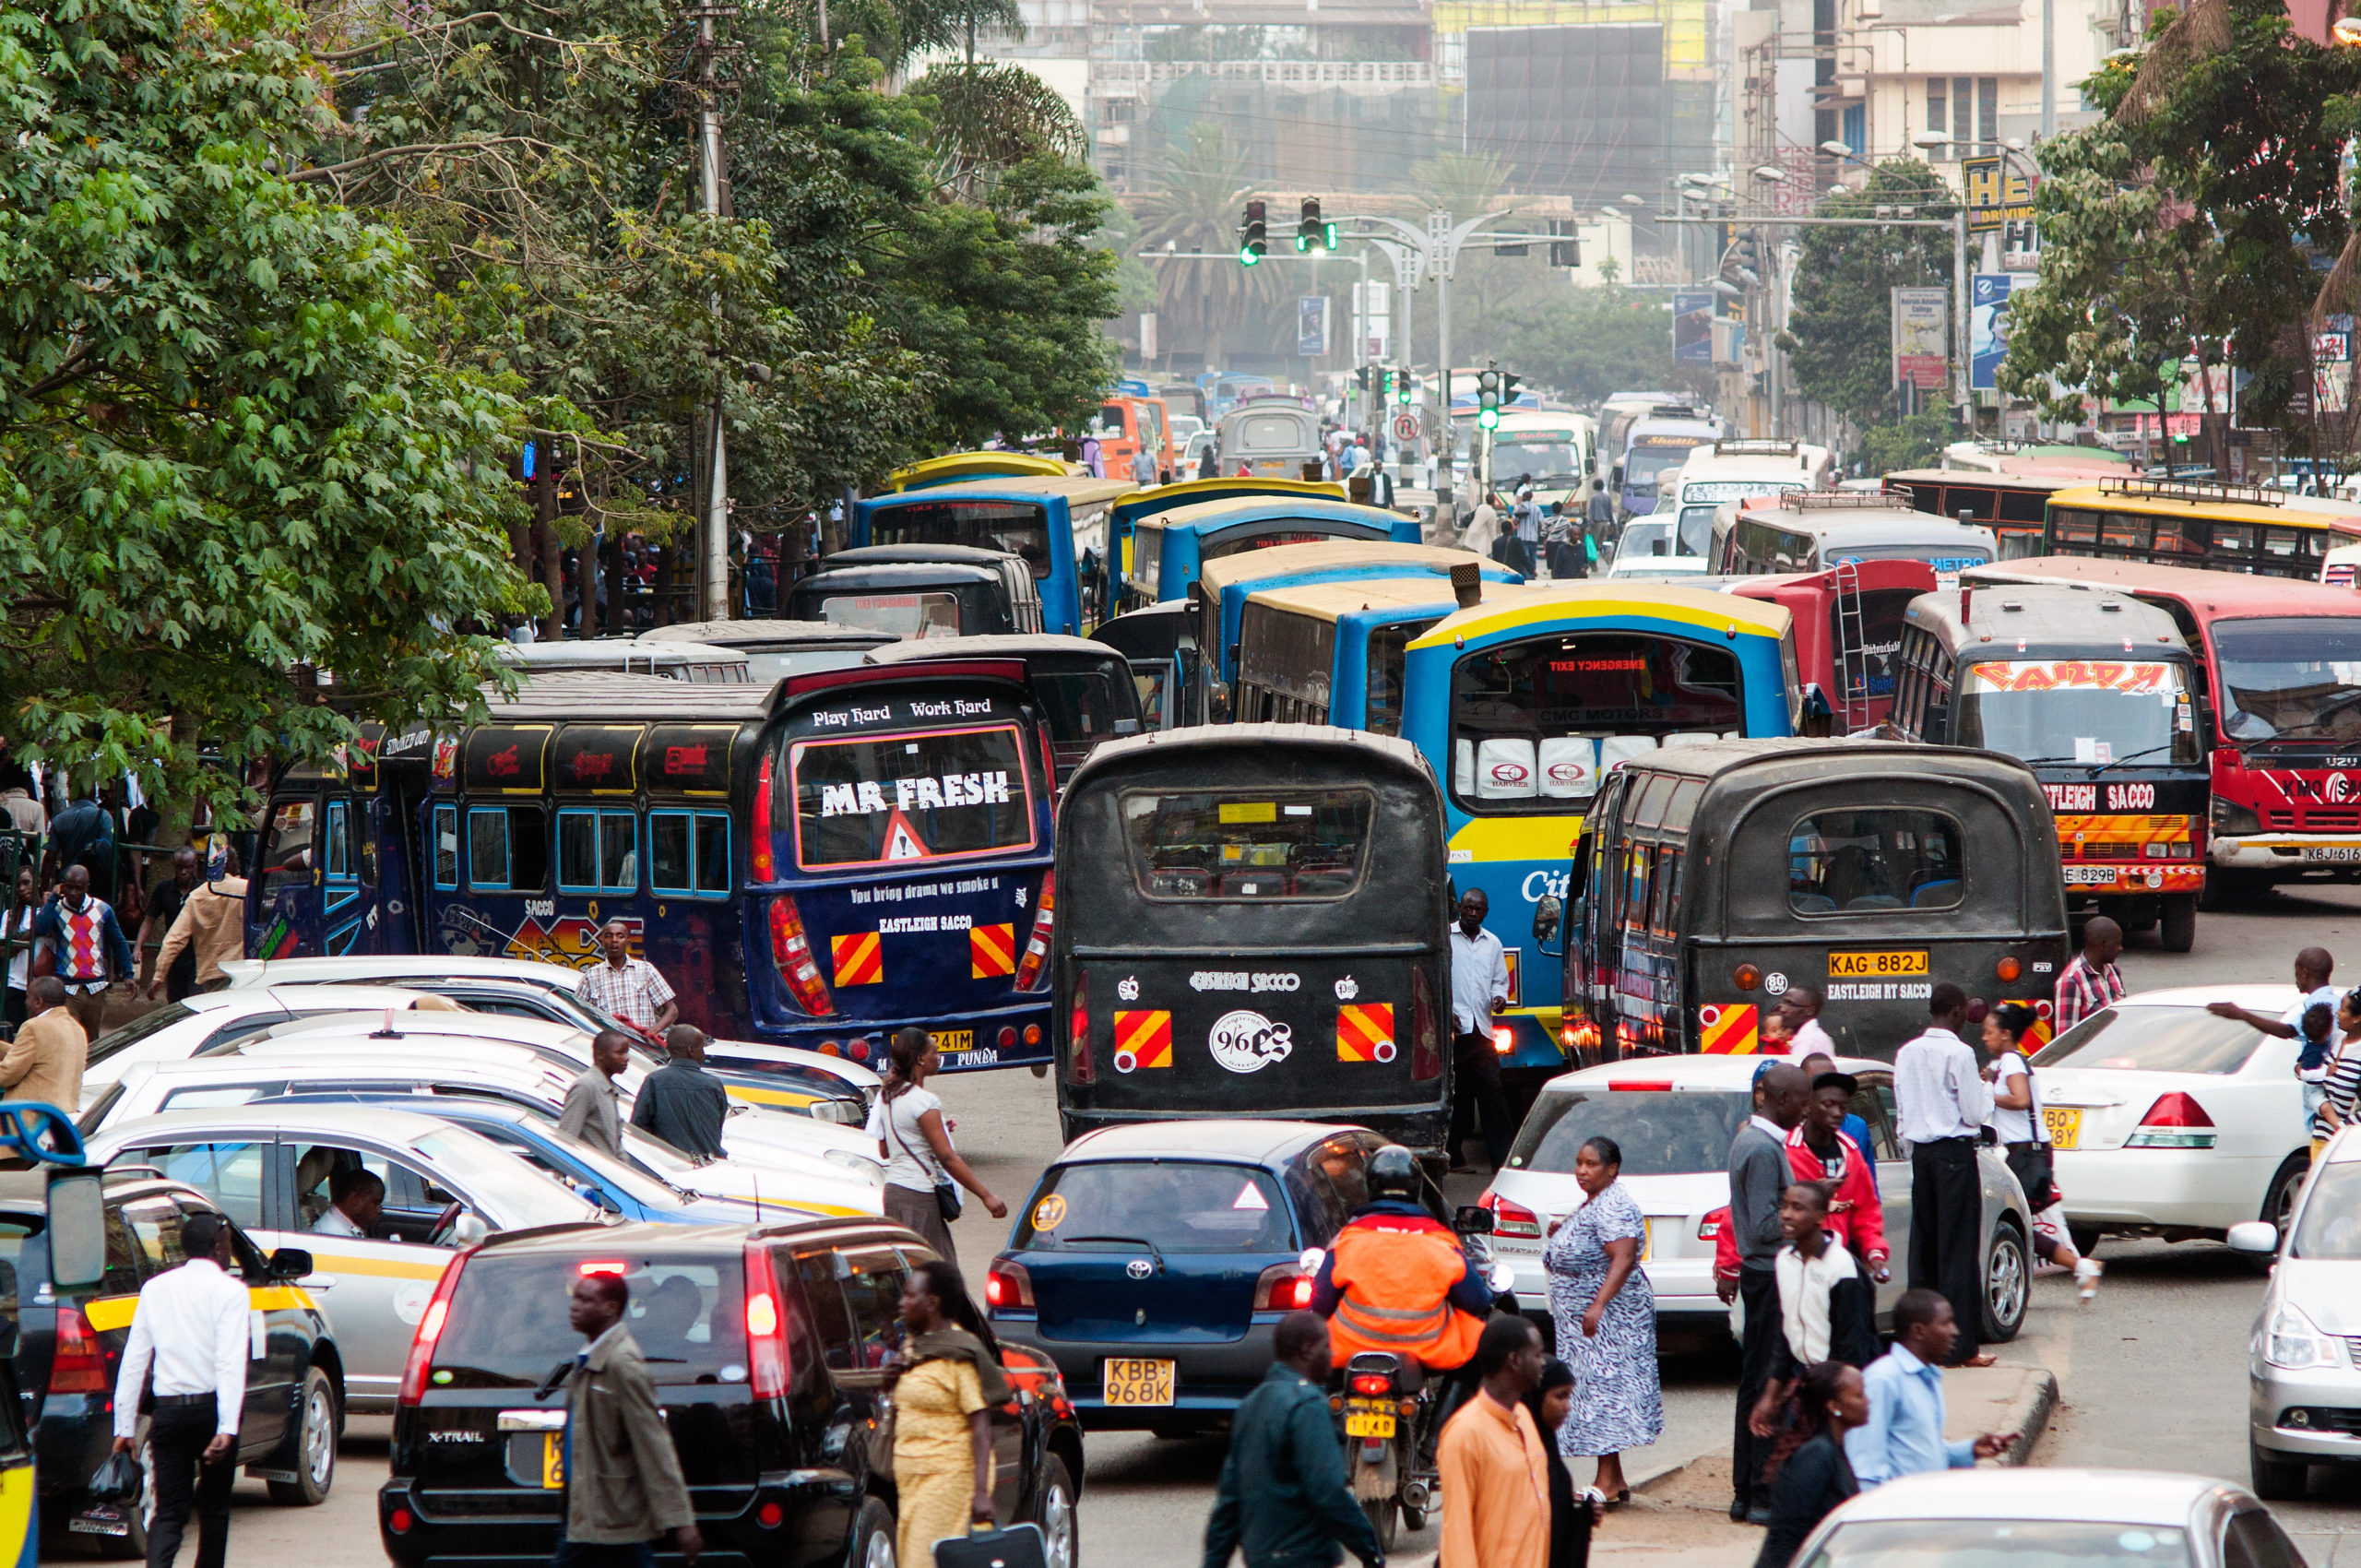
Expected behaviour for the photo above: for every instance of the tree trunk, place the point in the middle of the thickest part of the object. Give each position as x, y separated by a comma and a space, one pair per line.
665, 559
586, 578
552, 552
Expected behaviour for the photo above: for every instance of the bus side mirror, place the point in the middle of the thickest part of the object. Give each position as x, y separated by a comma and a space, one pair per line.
76, 1231
1548, 915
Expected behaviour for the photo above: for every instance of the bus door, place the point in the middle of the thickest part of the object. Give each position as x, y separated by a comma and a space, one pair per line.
286, 886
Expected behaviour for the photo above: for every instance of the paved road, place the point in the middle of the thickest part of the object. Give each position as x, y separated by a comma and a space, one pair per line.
2153, 1373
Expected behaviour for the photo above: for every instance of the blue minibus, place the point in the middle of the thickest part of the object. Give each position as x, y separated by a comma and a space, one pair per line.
1046, 519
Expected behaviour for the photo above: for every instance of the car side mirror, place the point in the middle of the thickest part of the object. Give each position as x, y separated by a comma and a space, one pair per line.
1472, 1219
1548, 915
469, 1229
2259, 1237
77, 1230
290, 1263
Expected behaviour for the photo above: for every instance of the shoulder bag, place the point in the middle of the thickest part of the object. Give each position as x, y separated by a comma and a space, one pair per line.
946, 1195
2033, 1163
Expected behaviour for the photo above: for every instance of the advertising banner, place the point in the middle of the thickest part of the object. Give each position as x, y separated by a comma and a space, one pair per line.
1921, 336
1988, 324
1311, 325
1693, 328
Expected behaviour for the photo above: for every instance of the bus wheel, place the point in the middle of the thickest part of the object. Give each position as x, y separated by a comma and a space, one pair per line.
2179, 932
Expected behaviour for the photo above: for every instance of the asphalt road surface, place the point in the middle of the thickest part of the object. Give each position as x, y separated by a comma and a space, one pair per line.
2153, 1373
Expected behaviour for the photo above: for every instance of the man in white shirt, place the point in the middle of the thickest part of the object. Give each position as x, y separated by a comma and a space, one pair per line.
191, 1326
1941, 1105
1480, 990
356, 1202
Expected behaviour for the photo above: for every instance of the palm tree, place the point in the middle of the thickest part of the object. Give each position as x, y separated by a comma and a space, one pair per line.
1195, 205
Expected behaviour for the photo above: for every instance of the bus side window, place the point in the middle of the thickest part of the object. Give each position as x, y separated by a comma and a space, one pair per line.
1641, 861
688, 854
1938, 695
1667, 892
446, 848
507, 848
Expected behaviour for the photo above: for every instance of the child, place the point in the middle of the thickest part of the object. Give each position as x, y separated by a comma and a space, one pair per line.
2311, 1063
1826, 1307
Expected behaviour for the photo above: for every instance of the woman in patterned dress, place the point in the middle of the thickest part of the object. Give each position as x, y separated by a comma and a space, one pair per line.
1606, 1320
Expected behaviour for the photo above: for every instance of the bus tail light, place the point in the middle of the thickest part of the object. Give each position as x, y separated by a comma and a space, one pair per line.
2008, 970
1503, 1039
1510, 1219
1008, 1286
1283, 1287
759, 856
791, 951
1426, 1035
1036, 947
1080, 1069
430, 1331
78, 1364
765, 1326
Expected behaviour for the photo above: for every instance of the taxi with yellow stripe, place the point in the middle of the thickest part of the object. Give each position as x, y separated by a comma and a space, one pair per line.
70, 1345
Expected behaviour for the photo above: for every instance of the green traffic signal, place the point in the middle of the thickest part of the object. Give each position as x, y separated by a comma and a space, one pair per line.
1488, 417
1247, 256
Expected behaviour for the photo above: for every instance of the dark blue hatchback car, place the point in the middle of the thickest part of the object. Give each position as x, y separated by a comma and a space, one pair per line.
1152, 1261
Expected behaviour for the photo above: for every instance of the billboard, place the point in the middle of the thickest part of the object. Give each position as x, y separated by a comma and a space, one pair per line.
1988, 324
1921, 336
1311, 325
1693, 327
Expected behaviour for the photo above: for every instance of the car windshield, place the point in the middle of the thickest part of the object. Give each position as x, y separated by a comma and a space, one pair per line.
1662, 1130
2000, 1543
2330, 1228
2094, 711
507, 1326
139, 1028
526, 1197
1173, 1205
2155, 1039
2291, 678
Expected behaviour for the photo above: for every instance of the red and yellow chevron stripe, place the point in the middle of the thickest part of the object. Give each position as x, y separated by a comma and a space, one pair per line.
858, 959
992, 950
1365, 1032
1727, 1028
1143, 1040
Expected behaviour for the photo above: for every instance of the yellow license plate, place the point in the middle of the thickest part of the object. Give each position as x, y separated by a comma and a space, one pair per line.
1139, 1382
953, 1039
554, 1460
2065, 1127
1369, 1423
1858, 966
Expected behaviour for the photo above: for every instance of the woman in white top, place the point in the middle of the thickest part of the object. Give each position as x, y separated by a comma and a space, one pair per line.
2016, 1117
2338, 1106
908, 1124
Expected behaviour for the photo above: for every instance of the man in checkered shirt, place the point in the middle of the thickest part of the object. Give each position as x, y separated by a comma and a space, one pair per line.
628, 988
2091, 982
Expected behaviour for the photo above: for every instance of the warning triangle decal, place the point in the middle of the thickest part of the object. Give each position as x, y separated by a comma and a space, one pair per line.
1251, 1196
902, 840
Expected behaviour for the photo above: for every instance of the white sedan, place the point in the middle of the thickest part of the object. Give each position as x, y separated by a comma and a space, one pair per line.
2171, 1122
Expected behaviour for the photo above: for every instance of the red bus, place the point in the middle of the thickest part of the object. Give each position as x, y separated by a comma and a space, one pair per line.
2279, 711
1848, 629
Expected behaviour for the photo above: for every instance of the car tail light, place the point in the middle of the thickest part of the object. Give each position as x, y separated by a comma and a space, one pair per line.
765, 1326
399, 1521
429, 1330
759, 856
1371, 1383
1036, 947
602, 1265
1709, 1228
770, 1516
2041, 1009
791, 951
2008, 970
1746, 977
79, 1363
1426, 1035
2173, 1121
1282, 1288
1008, 1286
1080, 1069
1511, 1219
1641, 1086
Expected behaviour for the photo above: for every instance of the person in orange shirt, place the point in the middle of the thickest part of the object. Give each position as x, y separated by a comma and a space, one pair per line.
1495, 1468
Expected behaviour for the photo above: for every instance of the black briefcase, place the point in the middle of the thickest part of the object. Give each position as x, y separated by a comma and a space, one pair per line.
1019, 1546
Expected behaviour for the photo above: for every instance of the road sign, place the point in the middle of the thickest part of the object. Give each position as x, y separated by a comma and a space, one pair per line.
1405, 427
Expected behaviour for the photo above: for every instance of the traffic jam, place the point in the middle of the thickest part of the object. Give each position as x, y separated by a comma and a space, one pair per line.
1222, 875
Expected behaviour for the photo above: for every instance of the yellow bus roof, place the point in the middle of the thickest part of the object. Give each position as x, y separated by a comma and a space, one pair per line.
1281, 559
1317, 489
1080, 490
1327, 494
952, 466
1512, 608
1326, 602
2108, 498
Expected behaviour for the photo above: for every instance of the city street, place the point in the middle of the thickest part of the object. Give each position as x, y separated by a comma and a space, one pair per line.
2152, 1375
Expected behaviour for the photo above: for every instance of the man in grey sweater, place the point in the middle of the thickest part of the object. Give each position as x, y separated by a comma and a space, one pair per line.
1758, 1175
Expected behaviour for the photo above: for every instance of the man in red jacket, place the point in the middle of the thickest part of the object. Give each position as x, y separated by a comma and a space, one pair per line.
1817, 1150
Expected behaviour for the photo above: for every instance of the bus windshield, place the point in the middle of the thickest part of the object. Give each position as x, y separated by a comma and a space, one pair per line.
874, 798
1020, 528
2072, 710
1547, 458
2292, 677
1648, 463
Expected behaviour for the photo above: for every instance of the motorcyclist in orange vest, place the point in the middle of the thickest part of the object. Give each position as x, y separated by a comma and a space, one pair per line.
1395, 1278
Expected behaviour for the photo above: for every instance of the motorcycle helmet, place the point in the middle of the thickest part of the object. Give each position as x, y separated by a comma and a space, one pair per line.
1393, 1173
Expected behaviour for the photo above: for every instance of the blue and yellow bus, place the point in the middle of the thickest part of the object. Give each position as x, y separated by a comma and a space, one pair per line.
1170, 550
1049, 520
814, 864
1524, 702
1116, 563
1332, 652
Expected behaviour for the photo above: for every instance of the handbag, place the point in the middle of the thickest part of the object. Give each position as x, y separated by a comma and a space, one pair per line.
946, 1195
2035, 1164
119, 1480
1019, 1546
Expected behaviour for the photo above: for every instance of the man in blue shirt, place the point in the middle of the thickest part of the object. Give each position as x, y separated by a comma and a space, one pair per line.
1903, 1435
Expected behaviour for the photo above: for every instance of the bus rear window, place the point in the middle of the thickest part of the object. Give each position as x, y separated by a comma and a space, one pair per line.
1241, 845
1016, 527
1876, 857
904, 615
911, 797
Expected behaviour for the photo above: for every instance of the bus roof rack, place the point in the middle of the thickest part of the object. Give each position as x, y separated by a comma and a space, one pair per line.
1835, 500
2194, 490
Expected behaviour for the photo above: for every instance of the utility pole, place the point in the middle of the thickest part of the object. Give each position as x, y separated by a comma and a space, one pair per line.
713, 552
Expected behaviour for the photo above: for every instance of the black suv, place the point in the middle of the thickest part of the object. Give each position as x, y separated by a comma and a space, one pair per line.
69, 1349
767, 1344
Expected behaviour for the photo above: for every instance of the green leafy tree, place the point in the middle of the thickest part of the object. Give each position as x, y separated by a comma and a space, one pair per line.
1912, 441
1591, 342
1839, 340
227, 448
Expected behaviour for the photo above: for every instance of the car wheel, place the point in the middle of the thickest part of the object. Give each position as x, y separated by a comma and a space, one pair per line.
2276, 1479
2005, 1275
2279, 1204
872, 1537
311, 1447
1060, 1526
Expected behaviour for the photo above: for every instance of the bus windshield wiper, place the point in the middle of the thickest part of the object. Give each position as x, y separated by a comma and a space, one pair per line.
2135, 756
2317, 719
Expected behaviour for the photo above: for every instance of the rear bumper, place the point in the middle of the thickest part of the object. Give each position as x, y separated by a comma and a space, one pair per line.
996, 1036
2194, 1188
1208, 1380
510, 1525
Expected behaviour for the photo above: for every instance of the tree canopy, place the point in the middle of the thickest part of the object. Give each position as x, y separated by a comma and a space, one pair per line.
1839, 338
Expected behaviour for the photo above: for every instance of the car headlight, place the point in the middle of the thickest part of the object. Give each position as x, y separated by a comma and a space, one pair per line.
2293, 1343
860, 1165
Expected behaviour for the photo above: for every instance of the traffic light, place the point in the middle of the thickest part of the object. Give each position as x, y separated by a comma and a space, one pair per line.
1402, 386
1566, 252
1360, 378
1508, 388
1253, 235
1488, 399
1308, 228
